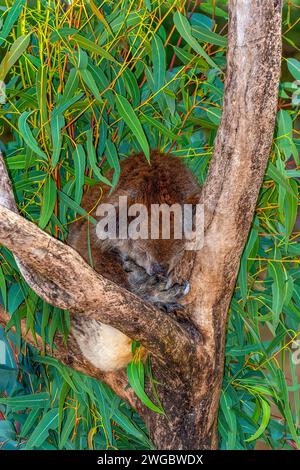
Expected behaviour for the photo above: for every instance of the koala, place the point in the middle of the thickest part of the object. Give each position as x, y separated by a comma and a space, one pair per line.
157, 270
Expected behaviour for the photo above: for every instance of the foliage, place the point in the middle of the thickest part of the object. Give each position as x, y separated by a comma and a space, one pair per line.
87, 83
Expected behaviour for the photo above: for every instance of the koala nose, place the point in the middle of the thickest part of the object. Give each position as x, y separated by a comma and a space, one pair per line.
158, 269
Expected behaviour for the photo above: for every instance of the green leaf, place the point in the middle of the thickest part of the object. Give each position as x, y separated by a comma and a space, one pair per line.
69, 202
214, 114
90, 83
266, 414
291, 207
162, 129
7, 431
132, 87
40, 433
48, 203
277, 273
284, 132
41, 92
53, 326
205, 35
44, 324
19, 162
57, 122
65, 104
91, 47
294, 68
105, 406
279, 178
67, 427
187, 58
3, 289
230, 417
70, 86
126, 112
83, 60
243, 272
30, 421
184, 28
286, 406
100, 16
183, 55
12, 16
285, 123
27, 181
79, 163
21, 402
213, 10
27, 135
62, 398
63, 371
288, 290
14, 53
159, 63
113, 160
134, 380
128, 426
91, 153
103, 83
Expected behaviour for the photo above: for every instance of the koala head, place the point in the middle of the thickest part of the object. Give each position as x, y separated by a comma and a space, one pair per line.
142, 222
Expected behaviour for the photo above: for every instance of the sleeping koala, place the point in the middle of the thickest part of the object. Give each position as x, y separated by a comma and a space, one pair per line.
156, 269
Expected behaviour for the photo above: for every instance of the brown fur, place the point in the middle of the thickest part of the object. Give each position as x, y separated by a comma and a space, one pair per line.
156, 270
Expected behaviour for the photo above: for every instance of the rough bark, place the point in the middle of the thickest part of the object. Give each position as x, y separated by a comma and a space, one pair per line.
70, 283
187, 357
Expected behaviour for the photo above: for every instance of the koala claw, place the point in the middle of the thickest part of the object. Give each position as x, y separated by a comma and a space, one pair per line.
178, 290
168, 307
157, 289
186, 287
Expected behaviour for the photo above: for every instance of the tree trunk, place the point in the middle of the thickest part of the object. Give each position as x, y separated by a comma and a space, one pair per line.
187, 354
241, 152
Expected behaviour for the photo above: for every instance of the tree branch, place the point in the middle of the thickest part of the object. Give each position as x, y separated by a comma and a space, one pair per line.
32, 277
70, 283
242, 148
241, 152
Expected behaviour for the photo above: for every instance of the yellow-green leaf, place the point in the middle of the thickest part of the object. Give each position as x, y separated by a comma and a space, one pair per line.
266, 413
14, 53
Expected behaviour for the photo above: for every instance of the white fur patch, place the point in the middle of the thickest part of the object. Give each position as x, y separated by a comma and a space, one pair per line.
105, 347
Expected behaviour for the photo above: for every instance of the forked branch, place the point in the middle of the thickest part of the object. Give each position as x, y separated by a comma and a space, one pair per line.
62, 278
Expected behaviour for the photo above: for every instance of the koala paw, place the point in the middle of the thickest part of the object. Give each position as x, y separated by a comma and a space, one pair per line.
177, 291
156, 289
168, 307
